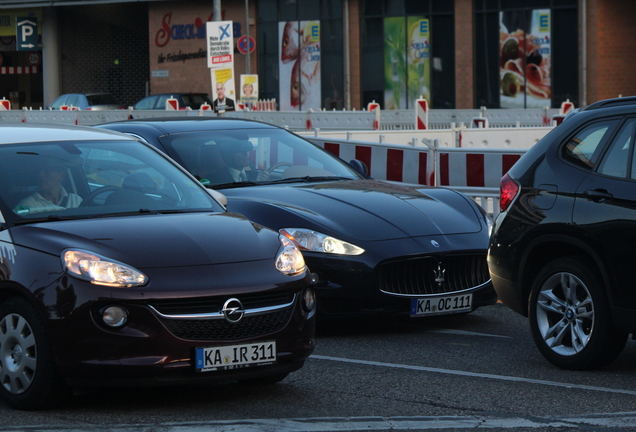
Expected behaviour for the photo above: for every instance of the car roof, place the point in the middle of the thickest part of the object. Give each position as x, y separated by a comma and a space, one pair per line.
22, 133
189, 124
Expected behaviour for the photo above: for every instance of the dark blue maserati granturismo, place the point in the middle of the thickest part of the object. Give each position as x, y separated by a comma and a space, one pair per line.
371, 246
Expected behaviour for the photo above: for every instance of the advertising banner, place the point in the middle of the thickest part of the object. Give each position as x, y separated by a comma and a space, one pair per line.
299, 65
394, 63
419, 60
525, 59
407, 62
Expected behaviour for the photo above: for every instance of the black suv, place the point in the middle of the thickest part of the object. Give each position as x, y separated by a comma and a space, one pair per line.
564, 244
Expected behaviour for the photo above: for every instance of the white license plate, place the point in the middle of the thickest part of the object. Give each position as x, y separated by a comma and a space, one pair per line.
235, 356
441, 305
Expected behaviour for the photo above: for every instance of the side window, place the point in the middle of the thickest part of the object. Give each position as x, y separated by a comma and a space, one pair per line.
73, 100
161, 102
586, 146
147, 103
616, 160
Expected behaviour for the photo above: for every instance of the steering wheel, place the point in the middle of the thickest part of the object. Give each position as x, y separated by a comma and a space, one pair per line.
278, 165
91, 196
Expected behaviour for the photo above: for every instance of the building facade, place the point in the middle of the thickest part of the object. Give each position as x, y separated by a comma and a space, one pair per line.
325, 54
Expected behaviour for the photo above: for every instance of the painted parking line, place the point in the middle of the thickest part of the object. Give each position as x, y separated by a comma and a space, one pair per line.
466, 333
352, 424
475, 375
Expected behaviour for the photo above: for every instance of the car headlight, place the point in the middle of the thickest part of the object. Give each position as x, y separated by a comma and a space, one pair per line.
313, 241
289, 260
101, 270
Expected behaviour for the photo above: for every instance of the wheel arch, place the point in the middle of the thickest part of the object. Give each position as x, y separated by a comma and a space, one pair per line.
545, 249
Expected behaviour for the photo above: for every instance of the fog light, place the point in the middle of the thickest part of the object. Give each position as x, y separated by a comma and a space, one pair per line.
309, 299
114, 316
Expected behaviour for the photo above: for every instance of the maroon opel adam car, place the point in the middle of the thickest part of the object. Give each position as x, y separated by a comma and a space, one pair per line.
118, 268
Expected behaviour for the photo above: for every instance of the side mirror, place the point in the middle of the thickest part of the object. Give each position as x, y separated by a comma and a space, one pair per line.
218, 196
359, 166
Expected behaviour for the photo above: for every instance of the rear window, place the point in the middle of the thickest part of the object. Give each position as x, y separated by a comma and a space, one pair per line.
586, 146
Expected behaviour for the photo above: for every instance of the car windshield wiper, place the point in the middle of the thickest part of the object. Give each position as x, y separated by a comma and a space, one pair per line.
306, 179
232, 185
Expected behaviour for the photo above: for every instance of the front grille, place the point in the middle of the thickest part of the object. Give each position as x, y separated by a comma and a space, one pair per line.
431, 275
201, 305
212, 326
221, 330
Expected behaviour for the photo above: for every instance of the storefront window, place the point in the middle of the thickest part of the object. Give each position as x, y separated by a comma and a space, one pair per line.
526, 53
415, 42
300, 54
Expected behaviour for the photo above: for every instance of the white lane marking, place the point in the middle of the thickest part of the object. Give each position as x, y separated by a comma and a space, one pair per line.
353, 424
465, 333
475, 375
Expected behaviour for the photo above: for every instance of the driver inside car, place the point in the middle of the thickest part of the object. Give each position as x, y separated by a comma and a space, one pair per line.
50, 194
235, 155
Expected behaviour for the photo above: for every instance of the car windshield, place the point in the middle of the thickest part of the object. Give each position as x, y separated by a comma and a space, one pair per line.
226, 158
66, 180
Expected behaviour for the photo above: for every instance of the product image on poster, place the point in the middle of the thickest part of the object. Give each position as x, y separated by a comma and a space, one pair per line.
524, 59
299, 65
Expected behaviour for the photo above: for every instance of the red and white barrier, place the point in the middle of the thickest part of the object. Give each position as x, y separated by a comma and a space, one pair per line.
5, 105
421, 114
375, 107
395, 163
172, 104
466, 168
566, 108
455, 167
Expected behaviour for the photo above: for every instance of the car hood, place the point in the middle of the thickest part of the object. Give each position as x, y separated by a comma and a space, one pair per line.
368, 210
145, 241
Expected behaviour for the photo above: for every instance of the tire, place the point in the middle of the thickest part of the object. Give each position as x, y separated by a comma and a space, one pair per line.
570, 317
28, 378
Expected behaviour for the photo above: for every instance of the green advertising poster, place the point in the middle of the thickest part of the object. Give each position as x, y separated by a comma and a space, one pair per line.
407, 68
394, 63
419, 60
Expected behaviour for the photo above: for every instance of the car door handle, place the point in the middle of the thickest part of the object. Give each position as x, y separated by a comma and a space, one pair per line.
598, 195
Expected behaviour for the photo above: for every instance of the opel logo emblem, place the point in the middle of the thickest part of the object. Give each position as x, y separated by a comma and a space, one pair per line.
233, 310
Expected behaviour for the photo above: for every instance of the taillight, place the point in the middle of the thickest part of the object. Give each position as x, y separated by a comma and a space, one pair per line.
508, 190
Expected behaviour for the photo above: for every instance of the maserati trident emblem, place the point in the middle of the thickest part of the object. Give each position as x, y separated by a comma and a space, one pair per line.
439, 275
233, 310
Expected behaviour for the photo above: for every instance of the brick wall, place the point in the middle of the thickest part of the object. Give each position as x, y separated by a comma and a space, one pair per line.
104, 48
464, 55
191, 75
611, 44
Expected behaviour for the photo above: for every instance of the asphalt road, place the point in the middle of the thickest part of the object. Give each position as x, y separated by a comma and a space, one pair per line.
475, 371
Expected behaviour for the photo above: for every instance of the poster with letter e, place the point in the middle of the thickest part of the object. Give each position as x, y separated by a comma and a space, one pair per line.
525, 70
299, 65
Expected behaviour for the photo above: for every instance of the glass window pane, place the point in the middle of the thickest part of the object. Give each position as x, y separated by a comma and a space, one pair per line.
615, 161
585, 147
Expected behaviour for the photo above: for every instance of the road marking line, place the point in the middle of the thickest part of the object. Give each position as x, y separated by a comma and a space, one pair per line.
474, 374
466, 333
